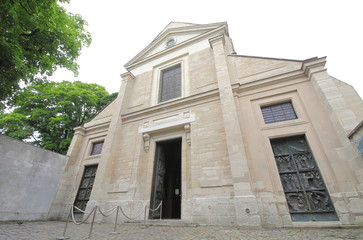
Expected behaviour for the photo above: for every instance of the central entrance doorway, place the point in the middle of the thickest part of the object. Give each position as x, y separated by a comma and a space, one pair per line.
166, 184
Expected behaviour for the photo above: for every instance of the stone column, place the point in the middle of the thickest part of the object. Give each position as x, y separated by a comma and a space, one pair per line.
247, 213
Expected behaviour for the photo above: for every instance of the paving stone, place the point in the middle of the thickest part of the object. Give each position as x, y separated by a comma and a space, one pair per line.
54, 229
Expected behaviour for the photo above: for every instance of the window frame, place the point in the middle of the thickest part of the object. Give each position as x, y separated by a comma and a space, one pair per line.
156, 73
161, 78
284, 113
93, 144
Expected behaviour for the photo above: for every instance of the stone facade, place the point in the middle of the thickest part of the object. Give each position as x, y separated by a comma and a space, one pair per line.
229, 175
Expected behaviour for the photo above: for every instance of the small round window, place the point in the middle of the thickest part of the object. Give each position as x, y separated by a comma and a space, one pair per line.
170, 42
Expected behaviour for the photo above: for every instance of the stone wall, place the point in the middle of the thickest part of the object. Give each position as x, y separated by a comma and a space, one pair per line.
29, 178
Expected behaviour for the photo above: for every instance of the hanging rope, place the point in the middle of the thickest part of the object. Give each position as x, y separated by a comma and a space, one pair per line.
85, 219
110, 210
106, 213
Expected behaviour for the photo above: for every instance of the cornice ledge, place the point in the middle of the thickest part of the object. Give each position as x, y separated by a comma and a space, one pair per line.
79, 130
127, 75
216, 39
269, 80
137, 61
172, 105
313, 65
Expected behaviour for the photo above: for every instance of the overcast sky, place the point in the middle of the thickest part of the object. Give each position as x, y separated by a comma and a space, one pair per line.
288, 29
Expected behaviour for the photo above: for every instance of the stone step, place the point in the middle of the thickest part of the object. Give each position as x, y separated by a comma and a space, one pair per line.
164, 222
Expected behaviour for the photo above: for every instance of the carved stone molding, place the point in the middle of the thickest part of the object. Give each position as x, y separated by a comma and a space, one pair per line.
187, 133
146, 138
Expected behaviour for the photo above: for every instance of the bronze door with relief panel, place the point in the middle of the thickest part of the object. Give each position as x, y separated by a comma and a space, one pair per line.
304, 187
157, 194
85, 188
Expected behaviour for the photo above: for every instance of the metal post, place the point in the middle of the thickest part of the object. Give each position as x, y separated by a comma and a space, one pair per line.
145, 217
93, 220
161, 208
65, 228
114, 229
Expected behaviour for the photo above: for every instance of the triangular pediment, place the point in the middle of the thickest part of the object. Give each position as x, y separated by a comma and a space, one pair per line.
174, 35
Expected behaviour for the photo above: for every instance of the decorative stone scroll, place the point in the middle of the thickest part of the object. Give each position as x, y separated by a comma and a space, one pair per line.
146, 138
174, 122
187, 133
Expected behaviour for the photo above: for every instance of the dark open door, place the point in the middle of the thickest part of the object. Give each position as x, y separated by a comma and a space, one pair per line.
305, 190
167, 180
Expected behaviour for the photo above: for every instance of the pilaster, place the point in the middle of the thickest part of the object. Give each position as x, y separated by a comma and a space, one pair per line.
247, 212
64, 198
104, 170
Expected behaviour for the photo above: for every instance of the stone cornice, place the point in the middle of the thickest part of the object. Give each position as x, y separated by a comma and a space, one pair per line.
311, 66
138, 60
216, 39
308, 67
127, 75
175, 105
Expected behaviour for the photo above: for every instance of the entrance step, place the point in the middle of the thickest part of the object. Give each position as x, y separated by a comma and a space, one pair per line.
165, 222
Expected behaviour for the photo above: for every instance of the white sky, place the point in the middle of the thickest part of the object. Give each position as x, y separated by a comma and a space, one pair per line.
291, 29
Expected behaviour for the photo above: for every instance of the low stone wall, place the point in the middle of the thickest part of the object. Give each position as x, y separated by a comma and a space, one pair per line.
29, 179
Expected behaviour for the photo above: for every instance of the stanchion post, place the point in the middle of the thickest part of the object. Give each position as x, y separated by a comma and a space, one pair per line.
93, 220
145, 216
114, 229
65, 227
161, 208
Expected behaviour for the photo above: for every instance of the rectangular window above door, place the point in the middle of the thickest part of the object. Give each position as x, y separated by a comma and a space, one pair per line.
278, 112
170, 83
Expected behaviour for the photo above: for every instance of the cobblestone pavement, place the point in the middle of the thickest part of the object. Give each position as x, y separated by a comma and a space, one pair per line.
53, 230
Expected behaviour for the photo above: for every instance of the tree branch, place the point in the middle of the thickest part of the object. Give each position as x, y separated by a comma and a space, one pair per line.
30, 14
32, 33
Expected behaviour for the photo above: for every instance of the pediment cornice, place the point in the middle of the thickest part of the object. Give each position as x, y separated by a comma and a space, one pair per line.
198, 30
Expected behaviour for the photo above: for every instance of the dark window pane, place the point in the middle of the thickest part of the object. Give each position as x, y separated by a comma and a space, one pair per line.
97, 148
278, 112
170, 84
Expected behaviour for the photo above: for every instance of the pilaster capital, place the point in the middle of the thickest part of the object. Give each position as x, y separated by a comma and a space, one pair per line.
217, 39
79, 131
127, 76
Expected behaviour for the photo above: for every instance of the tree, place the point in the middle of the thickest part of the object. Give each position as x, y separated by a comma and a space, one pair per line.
37, 37
45, 114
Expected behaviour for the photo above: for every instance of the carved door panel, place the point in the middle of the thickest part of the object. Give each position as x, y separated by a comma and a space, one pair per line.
85, 188
305, 190
157, 194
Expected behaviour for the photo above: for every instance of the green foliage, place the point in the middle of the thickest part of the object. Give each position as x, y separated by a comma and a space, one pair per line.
46, 113
37, 37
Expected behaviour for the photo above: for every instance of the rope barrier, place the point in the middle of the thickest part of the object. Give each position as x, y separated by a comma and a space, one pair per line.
106, 213
80, 210
85, 219
110, 210
153, 210
131, 218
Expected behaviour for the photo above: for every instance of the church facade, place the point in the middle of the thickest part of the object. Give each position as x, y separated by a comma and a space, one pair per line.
220, 139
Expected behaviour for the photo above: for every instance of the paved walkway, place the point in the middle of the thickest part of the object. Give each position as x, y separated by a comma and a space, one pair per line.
53, 230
